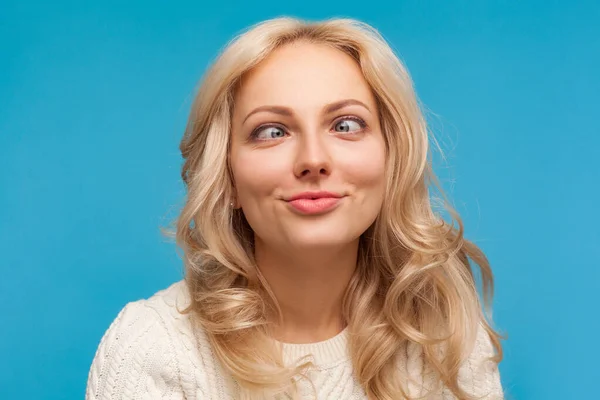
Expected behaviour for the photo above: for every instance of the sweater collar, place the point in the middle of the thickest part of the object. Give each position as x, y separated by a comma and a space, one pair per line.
329, 351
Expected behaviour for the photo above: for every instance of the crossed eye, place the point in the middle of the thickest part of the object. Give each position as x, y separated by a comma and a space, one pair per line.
277, 132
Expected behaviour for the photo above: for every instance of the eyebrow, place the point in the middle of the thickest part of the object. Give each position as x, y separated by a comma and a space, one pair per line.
329, 108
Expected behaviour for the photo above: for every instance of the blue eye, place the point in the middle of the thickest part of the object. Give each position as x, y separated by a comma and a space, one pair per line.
269, 132
348, 125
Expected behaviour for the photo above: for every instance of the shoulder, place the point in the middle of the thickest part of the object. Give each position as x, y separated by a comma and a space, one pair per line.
149, 349
478, 375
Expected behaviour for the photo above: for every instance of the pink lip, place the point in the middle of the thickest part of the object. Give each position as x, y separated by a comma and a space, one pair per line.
314, 202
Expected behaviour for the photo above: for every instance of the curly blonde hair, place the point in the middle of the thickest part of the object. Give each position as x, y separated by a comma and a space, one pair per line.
413, 283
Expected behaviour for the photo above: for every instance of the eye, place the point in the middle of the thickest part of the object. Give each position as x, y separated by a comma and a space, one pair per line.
348, 124
269, 133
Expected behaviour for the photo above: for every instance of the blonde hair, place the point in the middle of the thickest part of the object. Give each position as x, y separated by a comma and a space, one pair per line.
413, 282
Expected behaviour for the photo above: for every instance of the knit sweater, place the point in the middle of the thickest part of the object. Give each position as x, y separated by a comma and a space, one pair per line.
151, 351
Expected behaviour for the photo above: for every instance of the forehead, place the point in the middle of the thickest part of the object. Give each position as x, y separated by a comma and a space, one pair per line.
303, 75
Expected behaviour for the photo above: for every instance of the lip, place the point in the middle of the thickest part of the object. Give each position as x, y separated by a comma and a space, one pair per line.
313, 203
314, 196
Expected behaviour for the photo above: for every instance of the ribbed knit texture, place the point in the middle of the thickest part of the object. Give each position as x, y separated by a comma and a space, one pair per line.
150, 351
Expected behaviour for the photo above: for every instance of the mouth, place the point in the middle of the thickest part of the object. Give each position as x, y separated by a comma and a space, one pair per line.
314, 196
314, 203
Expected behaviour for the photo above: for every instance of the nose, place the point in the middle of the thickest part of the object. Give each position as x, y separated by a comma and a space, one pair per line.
312, 157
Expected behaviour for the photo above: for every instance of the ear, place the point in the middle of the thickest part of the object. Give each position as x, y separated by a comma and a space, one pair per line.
233, 202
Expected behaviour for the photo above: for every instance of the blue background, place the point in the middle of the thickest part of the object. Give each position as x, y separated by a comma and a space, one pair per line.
93, 102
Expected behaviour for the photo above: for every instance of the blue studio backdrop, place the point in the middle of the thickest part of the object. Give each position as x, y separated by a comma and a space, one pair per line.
94, 97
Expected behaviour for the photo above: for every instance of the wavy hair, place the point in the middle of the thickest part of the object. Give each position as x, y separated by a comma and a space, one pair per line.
414, 281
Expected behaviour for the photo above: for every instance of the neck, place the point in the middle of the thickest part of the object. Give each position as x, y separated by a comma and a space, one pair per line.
309, 287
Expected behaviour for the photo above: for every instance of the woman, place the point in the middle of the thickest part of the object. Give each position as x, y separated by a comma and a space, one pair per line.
315, 265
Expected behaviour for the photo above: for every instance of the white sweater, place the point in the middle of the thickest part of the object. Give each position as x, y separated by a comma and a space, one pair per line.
150, 351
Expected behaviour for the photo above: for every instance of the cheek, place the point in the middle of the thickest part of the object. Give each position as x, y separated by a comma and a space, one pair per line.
366, 170
256, 174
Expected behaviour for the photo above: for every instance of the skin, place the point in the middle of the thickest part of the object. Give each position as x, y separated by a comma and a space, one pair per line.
324, 134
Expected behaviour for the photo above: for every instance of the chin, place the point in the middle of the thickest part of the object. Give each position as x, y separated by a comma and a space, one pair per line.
321, 237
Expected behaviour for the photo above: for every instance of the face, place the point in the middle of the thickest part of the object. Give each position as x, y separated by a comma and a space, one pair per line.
307, 152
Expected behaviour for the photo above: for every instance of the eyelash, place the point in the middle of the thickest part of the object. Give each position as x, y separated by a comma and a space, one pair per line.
359, 121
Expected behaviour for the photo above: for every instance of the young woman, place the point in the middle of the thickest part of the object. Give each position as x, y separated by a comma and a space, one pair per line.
315, 265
